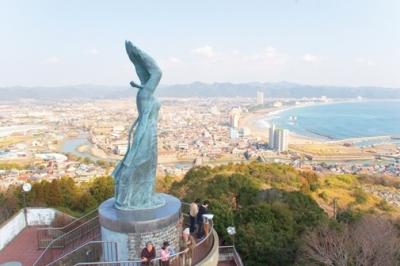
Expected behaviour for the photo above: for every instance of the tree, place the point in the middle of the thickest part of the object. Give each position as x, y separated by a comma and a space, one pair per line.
85, 202
266, 235
269, 222
54, 198
68, 191
370, 240
8, 203
375, 242
102, 188
325, 246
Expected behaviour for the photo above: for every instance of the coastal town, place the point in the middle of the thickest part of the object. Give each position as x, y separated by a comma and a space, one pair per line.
83, 139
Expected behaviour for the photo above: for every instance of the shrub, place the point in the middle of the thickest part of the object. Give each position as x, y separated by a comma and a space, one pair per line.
323, 196
360, 196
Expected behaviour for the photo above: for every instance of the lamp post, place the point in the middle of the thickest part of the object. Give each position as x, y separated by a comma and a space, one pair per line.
231, 230
25, 189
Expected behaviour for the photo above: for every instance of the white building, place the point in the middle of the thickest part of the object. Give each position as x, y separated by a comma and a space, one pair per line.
120, 149
234, 120
280, 140
234, 134
260, 97
59, 157
234, 116
271, 137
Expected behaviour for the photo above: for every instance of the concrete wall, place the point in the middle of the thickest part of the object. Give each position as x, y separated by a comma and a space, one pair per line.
13, 226
170, 233
212, 257
40, 216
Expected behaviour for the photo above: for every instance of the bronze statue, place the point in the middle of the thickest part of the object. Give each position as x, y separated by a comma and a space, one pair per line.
135, 173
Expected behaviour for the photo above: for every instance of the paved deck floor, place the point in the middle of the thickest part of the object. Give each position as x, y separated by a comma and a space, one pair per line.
23, 248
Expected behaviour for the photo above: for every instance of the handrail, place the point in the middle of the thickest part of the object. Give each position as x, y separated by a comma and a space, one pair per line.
84, 216
84, 245
174, 256
128, 261
45, 235
74, 221
236, 256
60, 237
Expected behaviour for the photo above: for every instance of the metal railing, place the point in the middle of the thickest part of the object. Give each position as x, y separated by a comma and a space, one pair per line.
229, 253
201, 250
76, 245
89, 252
46, 235
86, 232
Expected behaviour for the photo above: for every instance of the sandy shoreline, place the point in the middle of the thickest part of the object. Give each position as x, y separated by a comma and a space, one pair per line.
254, 121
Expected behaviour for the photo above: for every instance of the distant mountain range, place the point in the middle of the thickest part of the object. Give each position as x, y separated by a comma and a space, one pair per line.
199, 89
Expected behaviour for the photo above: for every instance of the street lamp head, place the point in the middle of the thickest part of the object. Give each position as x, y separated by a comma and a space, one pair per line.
26, 187
231, 230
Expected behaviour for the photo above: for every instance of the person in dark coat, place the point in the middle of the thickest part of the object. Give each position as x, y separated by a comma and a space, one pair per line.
203, 209
148, 254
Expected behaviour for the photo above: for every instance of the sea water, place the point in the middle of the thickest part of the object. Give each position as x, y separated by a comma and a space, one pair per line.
342, 120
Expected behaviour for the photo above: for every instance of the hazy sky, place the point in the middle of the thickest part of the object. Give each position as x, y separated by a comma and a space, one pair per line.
338, 42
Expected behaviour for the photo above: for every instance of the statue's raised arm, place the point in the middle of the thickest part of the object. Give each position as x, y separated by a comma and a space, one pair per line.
146, 68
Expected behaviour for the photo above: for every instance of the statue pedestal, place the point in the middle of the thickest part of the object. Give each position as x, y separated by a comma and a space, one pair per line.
132, 229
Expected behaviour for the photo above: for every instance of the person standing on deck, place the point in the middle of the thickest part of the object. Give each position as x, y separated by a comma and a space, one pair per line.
194, 210
202, 210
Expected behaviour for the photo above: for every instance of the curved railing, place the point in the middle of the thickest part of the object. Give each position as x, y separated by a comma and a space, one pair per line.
201, 250
47, 234
78, 240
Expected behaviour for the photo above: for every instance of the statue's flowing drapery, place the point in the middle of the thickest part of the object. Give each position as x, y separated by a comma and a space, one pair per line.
135, 174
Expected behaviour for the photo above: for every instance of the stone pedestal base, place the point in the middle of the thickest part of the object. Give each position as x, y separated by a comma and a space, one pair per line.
132, 229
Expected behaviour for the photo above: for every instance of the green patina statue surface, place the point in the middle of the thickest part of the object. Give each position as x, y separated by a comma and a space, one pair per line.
135, 173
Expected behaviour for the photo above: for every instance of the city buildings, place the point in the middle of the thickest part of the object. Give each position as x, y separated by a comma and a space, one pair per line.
38, 135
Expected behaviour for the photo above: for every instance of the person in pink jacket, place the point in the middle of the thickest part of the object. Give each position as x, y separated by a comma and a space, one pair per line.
165, 253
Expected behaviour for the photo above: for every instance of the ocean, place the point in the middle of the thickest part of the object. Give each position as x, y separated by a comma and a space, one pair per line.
338, 121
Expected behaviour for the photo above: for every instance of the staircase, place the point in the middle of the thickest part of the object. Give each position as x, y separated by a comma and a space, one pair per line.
80, 232
46, 235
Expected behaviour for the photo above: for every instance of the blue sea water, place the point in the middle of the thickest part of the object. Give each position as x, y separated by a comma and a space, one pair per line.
342, 120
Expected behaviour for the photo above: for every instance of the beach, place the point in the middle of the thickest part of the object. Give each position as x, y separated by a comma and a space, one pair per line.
254, 121
317, 145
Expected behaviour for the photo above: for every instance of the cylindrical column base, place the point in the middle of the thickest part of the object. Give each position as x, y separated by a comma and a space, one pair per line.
132, 229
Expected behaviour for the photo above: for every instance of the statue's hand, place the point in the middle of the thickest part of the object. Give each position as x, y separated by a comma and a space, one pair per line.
134, 85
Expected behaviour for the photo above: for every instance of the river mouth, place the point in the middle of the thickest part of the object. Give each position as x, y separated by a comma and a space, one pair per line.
71, 146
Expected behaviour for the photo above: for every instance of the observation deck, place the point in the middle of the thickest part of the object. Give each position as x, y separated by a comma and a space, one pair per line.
29, 239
